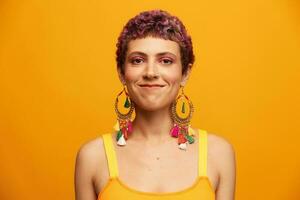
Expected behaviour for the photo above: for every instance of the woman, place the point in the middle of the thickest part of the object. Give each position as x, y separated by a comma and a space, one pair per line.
158, 155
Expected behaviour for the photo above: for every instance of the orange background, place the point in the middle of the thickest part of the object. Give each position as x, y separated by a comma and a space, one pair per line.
58, 83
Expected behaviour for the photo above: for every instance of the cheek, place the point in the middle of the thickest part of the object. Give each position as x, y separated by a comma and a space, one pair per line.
173, 76
131, 74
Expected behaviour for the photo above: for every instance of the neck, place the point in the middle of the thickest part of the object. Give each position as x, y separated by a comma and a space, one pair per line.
152, 127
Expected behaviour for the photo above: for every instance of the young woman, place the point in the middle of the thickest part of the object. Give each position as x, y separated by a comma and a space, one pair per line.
158, 155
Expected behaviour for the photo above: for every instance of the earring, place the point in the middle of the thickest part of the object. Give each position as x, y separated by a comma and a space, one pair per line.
181, 128
124, 123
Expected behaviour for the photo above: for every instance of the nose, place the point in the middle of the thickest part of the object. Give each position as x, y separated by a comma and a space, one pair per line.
151, 71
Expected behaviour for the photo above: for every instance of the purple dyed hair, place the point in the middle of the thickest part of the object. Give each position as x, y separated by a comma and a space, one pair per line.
155, 23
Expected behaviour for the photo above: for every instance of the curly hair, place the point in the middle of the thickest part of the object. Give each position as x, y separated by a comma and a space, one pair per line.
155, 23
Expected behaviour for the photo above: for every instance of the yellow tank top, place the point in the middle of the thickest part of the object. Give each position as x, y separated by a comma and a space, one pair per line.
115, 189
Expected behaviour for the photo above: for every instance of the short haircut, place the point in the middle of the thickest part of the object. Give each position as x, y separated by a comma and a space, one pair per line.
155, 23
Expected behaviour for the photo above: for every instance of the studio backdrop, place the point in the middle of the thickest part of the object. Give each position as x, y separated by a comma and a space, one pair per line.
58, 84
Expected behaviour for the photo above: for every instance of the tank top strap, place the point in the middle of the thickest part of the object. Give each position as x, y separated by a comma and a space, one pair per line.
110, 155
202, 160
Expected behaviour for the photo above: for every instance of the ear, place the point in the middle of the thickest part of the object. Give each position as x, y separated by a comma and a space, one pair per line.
186, 75
121, 76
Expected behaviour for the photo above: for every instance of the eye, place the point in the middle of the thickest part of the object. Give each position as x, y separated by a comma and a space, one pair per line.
166, 61
136, 61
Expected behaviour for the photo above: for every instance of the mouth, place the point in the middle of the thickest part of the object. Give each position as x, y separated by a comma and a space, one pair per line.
151, 85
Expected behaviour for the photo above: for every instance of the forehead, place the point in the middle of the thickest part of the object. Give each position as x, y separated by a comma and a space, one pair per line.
152, 46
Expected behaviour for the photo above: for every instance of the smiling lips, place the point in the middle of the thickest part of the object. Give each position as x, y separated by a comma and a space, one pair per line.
151, 85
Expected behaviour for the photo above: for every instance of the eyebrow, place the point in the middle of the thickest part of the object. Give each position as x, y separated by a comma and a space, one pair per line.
143, 54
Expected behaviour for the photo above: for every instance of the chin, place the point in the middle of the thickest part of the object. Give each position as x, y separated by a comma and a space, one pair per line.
152, 106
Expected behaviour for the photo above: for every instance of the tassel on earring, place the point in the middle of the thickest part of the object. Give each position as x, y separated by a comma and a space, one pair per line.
181, 128
124, 123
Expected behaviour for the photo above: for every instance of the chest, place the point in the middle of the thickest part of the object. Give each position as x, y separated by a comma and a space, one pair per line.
157, 169
162, 170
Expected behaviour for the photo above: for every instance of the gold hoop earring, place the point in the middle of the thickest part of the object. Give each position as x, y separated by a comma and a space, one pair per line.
124, 123
181, 128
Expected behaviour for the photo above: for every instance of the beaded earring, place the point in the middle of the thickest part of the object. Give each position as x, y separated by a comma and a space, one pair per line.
124, 123
181, 128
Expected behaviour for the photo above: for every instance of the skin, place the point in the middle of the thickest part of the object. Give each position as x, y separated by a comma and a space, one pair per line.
150, 153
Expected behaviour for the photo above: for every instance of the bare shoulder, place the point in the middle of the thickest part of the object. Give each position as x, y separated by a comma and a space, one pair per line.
223, 156
220, 145
91, 151
89, 158
221, 151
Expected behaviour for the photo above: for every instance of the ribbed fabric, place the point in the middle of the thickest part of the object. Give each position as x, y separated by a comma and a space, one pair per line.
115, 189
